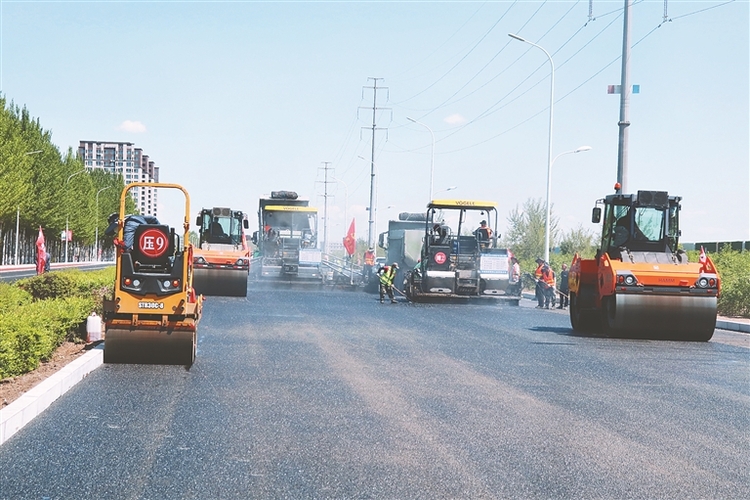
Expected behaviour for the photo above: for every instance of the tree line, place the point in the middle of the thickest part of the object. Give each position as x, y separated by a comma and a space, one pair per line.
40, 186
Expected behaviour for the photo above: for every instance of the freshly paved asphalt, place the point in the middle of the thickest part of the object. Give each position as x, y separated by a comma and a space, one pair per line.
328, 394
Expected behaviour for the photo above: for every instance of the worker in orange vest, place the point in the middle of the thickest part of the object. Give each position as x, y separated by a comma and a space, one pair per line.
539, 289
548, 278
369, 263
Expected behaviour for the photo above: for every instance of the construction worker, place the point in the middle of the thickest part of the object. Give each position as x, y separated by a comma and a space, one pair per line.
515, 276
548, 278
483, 234
563, 289
439, 234
387, 276
539, 289
369, 263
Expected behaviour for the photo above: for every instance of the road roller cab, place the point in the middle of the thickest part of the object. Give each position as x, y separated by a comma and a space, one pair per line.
640, 283
153, 316
222, 257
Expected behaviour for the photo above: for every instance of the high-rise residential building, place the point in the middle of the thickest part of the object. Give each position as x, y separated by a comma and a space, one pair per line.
126, 159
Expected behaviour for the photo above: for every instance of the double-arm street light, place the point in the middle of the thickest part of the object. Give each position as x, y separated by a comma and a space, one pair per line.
96, 230
432, 155
18, 214
67, 211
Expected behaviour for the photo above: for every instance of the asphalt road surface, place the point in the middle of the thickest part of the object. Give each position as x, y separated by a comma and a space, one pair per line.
328, 394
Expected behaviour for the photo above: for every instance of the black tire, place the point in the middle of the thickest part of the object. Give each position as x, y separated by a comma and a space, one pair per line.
575, 313
584, 321
608, 314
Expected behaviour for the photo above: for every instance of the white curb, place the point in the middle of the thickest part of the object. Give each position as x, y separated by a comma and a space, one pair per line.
735, 326
23, 410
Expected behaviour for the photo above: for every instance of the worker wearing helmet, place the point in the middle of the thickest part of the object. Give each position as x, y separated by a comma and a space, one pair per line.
369, 263
483, 235
539, 289
387, 275
548, 278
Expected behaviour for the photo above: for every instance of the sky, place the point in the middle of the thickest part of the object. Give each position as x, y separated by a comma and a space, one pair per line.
236, 99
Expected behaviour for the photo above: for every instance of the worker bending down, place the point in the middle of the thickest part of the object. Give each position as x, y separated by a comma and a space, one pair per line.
387, 274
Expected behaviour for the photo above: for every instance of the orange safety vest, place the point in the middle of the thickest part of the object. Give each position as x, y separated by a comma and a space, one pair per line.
369, 258
538, 272
548, 276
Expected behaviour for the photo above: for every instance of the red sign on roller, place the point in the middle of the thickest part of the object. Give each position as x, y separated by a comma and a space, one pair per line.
153, 243
440, 258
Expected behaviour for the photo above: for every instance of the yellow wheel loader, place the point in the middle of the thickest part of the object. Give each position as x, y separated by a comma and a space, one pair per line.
154, 314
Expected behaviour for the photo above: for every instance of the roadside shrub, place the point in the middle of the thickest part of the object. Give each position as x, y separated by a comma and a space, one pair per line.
48, 285
12, 297
32, 331
37, 314
71, 283
734, 270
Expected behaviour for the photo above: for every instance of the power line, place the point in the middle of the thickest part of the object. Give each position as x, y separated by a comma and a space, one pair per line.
464, 57
580, 85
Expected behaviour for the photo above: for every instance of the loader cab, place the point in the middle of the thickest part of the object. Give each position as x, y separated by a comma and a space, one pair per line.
646, 222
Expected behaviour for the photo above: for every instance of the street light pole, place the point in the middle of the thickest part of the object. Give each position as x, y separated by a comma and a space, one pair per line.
432, 155
67, 212
18, 215
96, 230
549, 149
549, 200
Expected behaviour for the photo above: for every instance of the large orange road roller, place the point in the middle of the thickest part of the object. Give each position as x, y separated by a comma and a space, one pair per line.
222, 258
640, 284
154, 314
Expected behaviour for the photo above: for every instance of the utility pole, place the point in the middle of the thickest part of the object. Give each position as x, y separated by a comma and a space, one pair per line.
625, 91
326, 168
373, 209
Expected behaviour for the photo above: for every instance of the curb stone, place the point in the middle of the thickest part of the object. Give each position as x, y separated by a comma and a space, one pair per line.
32, 403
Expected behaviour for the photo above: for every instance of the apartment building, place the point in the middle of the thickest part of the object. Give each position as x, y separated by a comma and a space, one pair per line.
126, 159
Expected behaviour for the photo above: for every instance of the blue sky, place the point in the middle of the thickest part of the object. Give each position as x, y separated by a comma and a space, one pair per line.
236, 99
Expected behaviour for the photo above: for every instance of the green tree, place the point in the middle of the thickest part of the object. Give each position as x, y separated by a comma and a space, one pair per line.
526, 228
579, 240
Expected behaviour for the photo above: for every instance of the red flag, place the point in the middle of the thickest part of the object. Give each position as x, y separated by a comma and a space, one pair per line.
349, 242
703, 259
41, 252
